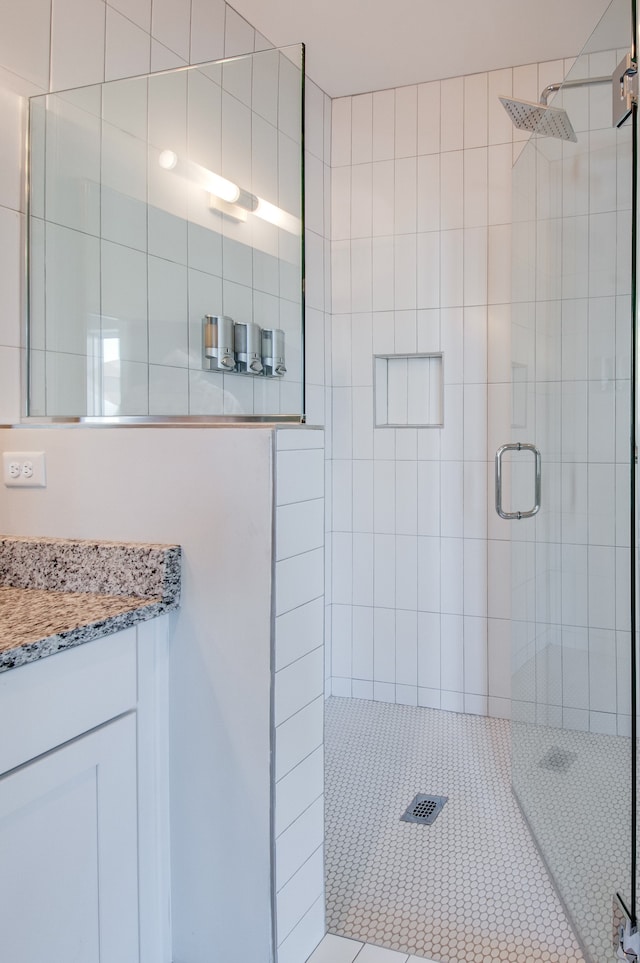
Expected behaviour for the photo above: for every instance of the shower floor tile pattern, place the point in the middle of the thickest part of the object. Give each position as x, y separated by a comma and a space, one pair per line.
580, 816
470, 888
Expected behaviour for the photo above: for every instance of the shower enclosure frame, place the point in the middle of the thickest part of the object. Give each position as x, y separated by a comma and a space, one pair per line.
539, 713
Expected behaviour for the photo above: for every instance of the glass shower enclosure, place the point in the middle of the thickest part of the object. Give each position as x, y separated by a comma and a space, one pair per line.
568, 482
156, 202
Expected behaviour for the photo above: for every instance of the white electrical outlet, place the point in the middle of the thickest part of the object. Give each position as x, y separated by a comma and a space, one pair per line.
24, 469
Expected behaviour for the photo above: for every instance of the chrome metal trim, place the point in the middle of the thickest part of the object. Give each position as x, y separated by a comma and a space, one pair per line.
569, 84
518, 446
624, 85
163, 421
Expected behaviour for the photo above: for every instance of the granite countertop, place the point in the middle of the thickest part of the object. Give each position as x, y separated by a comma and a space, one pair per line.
58, 593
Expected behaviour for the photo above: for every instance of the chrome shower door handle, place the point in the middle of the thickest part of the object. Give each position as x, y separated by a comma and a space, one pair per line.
518, 446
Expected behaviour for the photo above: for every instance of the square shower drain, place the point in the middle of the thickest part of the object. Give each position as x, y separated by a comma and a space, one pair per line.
557, 759
424, 809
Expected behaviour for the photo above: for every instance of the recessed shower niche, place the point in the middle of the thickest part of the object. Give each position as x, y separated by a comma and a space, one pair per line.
409, 390
153, 202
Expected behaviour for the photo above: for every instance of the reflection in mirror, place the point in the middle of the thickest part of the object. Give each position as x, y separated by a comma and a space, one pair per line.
154, 202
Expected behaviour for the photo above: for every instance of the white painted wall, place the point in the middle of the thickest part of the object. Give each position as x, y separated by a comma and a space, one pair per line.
211, 492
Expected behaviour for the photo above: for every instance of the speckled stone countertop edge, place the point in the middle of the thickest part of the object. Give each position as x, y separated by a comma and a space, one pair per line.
147, 570
61, 592
172, 580
18, 655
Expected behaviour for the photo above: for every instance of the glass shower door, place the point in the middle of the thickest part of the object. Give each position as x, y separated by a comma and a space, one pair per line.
571, 349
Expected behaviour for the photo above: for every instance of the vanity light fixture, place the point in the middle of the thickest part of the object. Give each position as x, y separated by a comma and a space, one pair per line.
275, 215
212, 183
226, 197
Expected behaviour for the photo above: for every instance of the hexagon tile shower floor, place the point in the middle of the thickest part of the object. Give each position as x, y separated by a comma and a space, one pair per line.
469, 887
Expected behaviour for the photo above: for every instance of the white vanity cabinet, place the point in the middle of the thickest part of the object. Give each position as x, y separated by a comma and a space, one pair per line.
68, 852
83, 811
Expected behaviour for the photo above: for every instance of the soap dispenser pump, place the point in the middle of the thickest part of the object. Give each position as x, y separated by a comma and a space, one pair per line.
273, 352
218, 343
248, 345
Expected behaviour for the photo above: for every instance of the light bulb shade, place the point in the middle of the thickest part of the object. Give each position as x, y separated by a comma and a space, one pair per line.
275, 215
211, 182
168, 159
220, 186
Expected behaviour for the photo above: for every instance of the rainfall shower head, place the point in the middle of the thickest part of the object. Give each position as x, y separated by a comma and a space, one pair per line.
547, 121
542, 119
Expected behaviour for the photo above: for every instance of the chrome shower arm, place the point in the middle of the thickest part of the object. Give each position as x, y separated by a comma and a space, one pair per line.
586, 82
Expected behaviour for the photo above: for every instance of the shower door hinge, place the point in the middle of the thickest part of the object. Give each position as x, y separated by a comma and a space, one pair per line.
626, 937
624, 85
628, 943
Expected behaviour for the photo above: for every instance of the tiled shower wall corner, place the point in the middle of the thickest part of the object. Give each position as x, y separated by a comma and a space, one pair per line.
421, 244
298, 693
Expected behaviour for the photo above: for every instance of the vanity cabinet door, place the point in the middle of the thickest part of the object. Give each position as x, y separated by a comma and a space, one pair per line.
68, 852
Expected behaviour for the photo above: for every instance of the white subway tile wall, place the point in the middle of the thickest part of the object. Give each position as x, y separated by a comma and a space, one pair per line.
299, 693
573, 325
421, 239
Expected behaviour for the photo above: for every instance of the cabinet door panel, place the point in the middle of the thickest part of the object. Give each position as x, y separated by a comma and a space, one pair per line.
68, 852
48, 702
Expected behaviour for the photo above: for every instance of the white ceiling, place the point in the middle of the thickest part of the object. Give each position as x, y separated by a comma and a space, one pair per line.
355, 46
